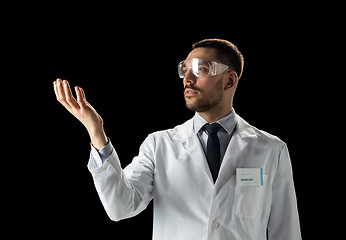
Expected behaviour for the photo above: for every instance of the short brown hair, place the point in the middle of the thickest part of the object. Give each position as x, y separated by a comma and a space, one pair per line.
227, 51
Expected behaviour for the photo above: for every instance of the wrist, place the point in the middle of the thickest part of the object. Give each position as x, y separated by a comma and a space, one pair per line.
98, 139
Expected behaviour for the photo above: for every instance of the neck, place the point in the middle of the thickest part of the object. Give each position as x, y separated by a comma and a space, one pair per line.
215, 114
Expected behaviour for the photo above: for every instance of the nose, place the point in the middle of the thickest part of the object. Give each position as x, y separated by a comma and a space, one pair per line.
189, 77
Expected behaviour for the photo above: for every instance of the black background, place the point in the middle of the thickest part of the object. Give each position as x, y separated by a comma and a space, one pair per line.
125, 59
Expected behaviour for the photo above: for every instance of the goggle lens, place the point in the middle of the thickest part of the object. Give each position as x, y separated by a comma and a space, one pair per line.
199, 67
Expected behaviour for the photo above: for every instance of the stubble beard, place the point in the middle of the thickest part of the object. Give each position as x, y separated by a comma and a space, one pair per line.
202, 103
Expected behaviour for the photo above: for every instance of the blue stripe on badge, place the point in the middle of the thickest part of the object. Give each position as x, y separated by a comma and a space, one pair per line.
261, 176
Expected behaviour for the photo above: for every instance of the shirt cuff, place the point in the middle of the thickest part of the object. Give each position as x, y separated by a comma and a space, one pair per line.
97, 158
106, 151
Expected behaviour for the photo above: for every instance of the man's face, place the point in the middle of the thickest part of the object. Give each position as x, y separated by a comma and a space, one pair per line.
203, 93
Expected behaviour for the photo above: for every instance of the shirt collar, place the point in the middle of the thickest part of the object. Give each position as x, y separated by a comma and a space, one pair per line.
228, 122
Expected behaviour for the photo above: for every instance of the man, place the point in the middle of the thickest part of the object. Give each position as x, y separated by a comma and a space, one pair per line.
213, 177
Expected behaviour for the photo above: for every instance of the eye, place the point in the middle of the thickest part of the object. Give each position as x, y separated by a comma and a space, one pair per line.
203, 69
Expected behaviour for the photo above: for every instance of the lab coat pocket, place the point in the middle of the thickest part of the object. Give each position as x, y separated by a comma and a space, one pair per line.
249, 201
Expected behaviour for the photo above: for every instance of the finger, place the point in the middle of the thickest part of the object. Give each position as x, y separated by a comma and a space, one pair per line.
61, 94
83, 94
61, 91
68, 94
79, 94
56, 90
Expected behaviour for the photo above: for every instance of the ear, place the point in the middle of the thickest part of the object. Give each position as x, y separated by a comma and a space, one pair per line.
232, 80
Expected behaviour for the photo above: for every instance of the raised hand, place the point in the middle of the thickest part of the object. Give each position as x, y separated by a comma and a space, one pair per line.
82, 110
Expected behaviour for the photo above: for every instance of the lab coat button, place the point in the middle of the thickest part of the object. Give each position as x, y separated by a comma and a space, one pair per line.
215, 225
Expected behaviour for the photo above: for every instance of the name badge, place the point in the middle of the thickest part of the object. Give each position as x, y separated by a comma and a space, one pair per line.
249, 176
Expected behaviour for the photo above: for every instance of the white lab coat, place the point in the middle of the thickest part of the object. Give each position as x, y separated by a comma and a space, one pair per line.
172, 169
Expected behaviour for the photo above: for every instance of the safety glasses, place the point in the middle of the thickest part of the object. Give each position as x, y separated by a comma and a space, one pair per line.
201, 68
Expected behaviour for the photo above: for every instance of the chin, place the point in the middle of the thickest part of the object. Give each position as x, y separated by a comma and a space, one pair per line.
200, 105
190, 104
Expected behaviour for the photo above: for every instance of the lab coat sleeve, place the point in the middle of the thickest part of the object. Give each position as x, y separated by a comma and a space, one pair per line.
125, 192
284, 220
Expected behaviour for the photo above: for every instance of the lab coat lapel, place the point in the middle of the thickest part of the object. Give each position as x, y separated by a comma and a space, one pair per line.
238, 143
192, 146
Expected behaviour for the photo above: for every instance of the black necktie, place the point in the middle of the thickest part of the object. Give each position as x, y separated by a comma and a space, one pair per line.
213, 149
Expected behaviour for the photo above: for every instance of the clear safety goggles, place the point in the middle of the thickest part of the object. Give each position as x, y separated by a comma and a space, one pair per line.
200, 67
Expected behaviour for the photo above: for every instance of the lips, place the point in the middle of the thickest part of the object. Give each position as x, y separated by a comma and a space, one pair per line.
189, 92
